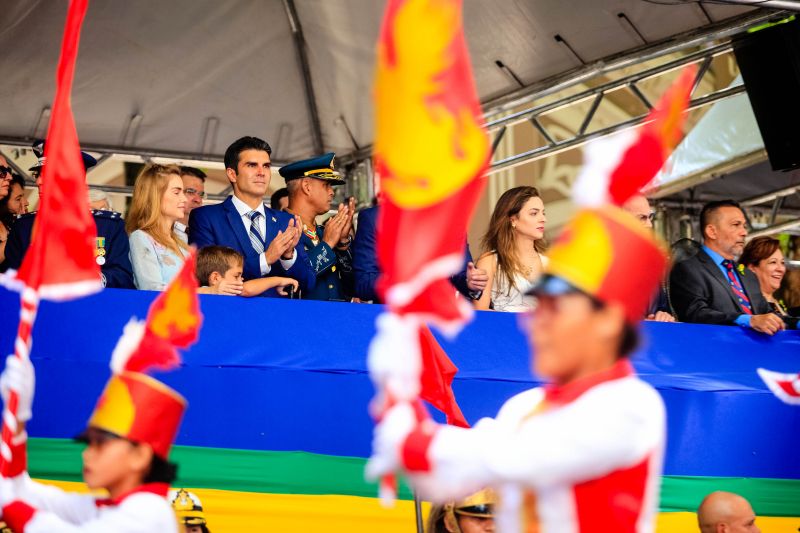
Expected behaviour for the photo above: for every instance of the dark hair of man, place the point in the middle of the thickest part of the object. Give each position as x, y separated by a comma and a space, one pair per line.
239, 146
161, 471
710, 209
759, 249
195, 172
275, 199
212, 259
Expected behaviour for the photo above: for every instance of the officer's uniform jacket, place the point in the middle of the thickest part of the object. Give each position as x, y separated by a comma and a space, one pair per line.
111, 247
333, 269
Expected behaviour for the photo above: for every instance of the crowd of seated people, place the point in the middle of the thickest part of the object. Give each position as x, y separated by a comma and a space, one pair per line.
250, 248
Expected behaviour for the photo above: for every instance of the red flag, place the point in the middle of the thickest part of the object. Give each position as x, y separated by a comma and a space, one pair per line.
60, 262
430, 151
173, 321
784, 386
436, 380
617, 167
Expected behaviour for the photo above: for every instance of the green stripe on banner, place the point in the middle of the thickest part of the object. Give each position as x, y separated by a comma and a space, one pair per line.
769, 497
228, 469
308, 473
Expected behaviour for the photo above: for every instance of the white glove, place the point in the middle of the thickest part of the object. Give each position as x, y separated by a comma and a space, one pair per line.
388, 438
8, 490
19, 377
394, 359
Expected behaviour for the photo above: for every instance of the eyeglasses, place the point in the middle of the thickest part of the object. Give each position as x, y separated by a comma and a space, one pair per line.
5, 171
194, 192
644, 218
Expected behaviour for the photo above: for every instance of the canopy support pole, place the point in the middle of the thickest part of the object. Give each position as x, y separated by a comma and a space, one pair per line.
308, 85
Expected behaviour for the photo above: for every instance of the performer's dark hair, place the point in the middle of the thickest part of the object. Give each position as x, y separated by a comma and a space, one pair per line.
629, 340
712, 207
239, 146
161, 471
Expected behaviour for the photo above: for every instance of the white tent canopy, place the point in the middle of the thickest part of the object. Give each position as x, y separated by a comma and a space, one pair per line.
186, 78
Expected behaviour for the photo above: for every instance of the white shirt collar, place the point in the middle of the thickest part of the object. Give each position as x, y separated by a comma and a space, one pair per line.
242, 208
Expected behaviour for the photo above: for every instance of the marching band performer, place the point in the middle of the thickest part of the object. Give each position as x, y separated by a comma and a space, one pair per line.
584, 452
128, 438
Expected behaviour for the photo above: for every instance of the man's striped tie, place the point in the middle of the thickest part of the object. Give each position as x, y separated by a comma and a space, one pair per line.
738, 290
256, 239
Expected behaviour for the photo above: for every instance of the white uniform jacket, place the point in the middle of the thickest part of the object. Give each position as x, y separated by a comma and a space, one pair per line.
41, 508
585, 457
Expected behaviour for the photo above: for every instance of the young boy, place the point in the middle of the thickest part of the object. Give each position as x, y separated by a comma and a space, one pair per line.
219, 271
129, 437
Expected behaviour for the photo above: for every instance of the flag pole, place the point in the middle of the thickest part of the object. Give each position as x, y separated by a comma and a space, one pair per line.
29, 304
418, 513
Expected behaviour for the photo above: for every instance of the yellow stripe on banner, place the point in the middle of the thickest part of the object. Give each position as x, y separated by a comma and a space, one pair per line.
245, 512
680, 522
232, 512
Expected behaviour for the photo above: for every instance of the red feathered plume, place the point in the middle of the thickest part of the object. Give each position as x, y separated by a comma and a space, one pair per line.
173, 321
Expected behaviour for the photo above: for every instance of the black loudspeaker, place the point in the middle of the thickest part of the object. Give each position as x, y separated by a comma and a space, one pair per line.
769, 60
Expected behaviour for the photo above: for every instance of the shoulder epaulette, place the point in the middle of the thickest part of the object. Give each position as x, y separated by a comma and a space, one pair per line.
103, 213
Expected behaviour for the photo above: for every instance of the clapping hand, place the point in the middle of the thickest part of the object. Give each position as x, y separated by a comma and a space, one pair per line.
351, 211
334, 228
283, 244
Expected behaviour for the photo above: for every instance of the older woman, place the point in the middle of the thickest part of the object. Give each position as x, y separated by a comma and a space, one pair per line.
157, 252
764, 258
514, 244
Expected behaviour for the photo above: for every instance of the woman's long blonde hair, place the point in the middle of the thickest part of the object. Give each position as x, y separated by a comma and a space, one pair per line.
145, 210
436, 519
500, 236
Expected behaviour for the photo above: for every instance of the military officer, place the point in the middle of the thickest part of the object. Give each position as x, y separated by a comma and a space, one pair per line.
189, 510
310, 183
111, 245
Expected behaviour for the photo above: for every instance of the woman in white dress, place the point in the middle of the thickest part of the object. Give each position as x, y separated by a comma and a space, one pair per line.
515, 242
157, 252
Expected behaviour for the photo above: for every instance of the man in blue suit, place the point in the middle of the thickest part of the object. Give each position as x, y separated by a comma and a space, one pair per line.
470, 282
268, 239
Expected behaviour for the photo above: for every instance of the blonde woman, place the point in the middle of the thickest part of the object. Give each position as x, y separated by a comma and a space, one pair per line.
157, 253
514, 244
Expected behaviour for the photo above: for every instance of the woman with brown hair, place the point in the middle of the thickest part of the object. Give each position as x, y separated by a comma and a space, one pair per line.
514, 244
157, 252
763, 256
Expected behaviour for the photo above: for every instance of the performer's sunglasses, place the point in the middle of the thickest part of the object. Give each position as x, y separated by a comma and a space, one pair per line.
5, 171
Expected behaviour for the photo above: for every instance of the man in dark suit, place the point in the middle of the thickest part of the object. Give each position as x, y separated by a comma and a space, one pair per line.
268, 239
470, 282
111, 246
710, 288
639, 206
